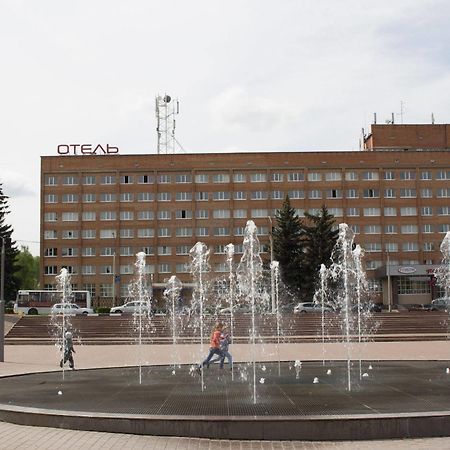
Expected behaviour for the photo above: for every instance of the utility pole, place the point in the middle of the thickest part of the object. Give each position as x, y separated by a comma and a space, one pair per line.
2, 303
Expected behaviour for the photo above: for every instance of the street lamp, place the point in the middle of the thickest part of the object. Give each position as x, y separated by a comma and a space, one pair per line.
2, 302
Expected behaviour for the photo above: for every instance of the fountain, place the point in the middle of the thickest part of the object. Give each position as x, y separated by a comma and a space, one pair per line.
442, 274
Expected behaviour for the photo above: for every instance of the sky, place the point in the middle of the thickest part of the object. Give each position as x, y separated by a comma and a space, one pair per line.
250, 75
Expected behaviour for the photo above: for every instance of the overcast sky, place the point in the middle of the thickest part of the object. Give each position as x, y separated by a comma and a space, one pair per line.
250, 75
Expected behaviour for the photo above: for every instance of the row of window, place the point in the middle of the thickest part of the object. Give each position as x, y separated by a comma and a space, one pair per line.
241, 177
90, 216
252, 195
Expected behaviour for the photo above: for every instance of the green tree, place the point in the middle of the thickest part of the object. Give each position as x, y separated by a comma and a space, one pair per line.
319, 239
287, 245
10, 248
27, 269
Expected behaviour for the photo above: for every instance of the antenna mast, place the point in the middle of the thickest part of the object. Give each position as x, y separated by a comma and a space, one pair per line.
166, 110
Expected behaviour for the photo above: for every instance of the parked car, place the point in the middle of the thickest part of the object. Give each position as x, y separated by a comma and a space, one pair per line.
70, 308
440, 304
420, 307
131, 308
310, 307
237, 309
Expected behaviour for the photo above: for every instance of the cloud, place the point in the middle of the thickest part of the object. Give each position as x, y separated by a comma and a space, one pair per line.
16, 185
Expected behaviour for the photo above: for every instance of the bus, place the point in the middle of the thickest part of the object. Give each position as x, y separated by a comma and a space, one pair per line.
40, 302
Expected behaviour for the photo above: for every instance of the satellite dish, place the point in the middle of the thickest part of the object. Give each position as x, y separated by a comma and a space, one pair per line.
167, 98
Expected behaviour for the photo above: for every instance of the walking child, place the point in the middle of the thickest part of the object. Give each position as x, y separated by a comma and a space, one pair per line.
214, 346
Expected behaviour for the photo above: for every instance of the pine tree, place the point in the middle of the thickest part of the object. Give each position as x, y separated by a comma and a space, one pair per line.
287, 245
319, 239
11, 251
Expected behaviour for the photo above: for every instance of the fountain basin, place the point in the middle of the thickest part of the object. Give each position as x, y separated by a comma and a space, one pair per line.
395, 400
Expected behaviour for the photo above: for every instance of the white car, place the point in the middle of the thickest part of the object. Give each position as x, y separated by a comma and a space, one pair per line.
131, 307
440, 304
310, 307
239, 309
71, 309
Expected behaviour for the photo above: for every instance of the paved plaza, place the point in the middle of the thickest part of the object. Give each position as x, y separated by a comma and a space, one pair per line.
29, 359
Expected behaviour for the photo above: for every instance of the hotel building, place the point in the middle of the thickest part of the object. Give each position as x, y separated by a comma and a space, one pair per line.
98, 211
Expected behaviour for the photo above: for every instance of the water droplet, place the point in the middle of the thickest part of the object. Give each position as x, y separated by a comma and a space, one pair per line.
329, 372
316, 380
370, 367
365, 374
59, 392
261, 380
263, 368
447, 370
173, 372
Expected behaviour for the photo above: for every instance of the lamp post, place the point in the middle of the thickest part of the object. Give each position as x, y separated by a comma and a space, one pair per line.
2, 303
272, 275
389, 289
114, 279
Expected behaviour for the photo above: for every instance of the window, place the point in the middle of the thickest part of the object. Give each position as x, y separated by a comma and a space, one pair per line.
277, 177
50, 234
50, 270
69, 217
126, 197
51, 252
408, 211
373, 265
314, 176
219, 249
408, 193
391, 247
425, 175
355, 229
372, 229
126, 233
183, 178
70, 198
126, 179
126, 269
371, 193
259, 213
444, 228
70, 234
410, 246
88, 234
333, 176
88, 216
259, 195
426, 193
107, 234
389, 175
408, 175
296, 194
428, 246
299, 211
277, 195
202, 214
427, 228
352, 212
201, 178
221, 214
164, 215
87, 251
126, 251
240, 213
183, 196
50, 217
182, 250
239, 231
443, 175
145, 197
334, 193
409, 229
336, 212
146, 215
201, 196
390, 211
202, 231
371, 212
107, 197
390, 229
426, 211
163, 197
240, 195
183, 214
108, 179
262, 231
221, 231
69, 180
183, 232
352, 193
164, 268
389, 193
106, 269
443, 211
182, 268
108, 215
145, 232
164, 250
370, 176
239, 178
88, 270
164, 179
146, 179
106, 290
148, 250
69, 251
89, 198
221, 195
351, 176
221, 178
315, 194
372, 247
50, 180
164, 232
443, 193
258, 177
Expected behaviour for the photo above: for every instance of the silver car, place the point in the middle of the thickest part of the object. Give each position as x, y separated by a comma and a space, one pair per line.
310, 307
70, 309
132, 307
